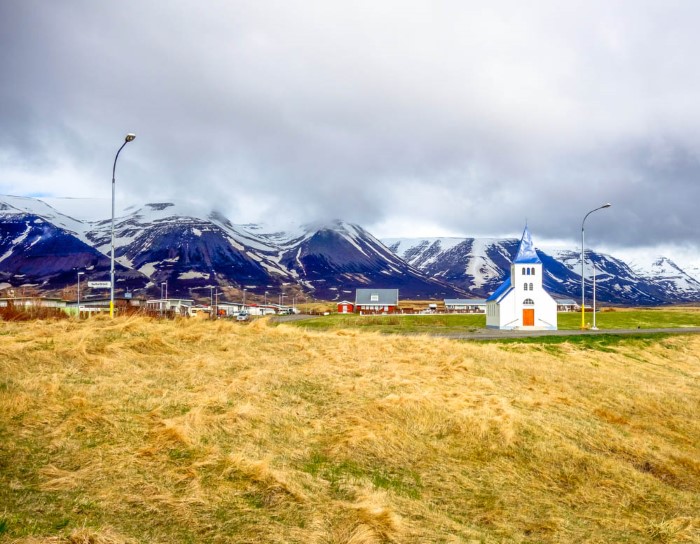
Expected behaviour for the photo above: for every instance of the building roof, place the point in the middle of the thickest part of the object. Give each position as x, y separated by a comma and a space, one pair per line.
382, 297
502, 291
464, 301
526, 251
183, 300
568, 301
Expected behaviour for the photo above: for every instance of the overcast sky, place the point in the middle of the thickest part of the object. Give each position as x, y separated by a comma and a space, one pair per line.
410, 118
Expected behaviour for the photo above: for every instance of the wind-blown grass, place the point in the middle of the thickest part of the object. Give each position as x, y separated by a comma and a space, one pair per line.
135, 430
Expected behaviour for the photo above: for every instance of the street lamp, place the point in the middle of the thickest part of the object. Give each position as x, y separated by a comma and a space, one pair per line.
79, 274
583, 278
244, 290
265, 298
211, 301
129, 138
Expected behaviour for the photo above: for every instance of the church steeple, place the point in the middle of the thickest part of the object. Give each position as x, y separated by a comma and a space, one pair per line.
526, 251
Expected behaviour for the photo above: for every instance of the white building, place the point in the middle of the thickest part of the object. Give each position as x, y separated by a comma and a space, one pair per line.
521, 302
465, 305
170, 306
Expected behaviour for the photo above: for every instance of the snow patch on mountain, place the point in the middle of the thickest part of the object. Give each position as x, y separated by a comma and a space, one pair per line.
171, 241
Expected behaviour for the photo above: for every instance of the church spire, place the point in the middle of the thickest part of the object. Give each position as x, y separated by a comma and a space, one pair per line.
526, 251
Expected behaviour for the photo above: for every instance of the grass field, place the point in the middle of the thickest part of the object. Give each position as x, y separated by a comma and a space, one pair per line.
137, 430
445, 323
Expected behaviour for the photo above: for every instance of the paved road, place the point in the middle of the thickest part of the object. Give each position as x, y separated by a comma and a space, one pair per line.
491, 334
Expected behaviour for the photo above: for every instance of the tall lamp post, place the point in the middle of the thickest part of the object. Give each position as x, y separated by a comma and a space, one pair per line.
79, 274
211, 302
129, 138
583, 277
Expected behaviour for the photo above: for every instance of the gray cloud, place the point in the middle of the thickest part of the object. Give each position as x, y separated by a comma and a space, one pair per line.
465, 116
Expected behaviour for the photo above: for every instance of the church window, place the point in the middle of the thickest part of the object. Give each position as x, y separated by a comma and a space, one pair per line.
530, 287
523, 270
528, 302
525, 286
533, 270
528, 271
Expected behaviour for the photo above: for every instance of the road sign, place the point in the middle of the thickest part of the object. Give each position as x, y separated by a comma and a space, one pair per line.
100, 284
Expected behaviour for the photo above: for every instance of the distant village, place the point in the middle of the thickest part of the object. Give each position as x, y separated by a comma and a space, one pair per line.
366, 302
520, 302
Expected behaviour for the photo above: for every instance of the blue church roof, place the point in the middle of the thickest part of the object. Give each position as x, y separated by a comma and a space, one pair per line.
526, 251
502, 290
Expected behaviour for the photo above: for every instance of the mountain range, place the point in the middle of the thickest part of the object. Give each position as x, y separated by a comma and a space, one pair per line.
192, 253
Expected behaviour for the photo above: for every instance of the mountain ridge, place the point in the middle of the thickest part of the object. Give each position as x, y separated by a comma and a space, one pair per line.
194, 251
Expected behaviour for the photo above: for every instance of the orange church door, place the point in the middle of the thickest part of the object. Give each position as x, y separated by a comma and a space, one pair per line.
529, 317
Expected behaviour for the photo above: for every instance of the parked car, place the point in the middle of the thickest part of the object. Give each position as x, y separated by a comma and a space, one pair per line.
242, 316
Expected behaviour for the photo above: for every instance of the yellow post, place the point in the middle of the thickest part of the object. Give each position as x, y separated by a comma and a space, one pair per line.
111, 309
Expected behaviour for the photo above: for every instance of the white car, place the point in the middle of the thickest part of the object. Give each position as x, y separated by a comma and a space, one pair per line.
242, 316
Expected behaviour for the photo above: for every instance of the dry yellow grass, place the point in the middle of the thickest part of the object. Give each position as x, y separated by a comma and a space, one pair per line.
136, 430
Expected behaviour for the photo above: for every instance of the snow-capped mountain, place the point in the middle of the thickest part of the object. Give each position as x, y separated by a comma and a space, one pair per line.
40, 247
481, 265
168, 244
191, 252
196, 251
340, 257
669, 276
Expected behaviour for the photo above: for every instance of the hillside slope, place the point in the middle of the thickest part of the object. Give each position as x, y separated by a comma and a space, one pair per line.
482, 264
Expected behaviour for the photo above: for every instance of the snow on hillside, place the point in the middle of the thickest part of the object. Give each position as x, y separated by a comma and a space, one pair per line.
480, 267
33, 206
208, 242
403, 246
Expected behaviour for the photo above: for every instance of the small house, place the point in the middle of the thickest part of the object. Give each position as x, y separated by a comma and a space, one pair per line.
170, 306
346, 307
377, 301
567, 305
229, 309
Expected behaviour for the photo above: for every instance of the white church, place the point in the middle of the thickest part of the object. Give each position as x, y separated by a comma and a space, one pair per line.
521, 302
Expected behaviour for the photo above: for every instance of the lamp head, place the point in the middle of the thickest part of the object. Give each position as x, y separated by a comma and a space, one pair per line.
607, 205
130, 137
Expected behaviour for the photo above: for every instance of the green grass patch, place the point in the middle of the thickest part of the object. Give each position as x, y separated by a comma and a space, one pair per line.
397, 324
632, 319
598, 342
402, 482
461, 323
